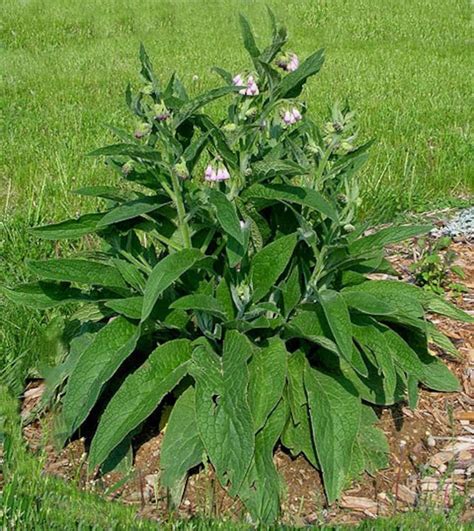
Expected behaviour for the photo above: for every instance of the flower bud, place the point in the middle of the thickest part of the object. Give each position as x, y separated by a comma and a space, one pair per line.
127, 168
229, 128
142, 130
147, 89
252, 87
288, 62
181, 170
251, 112
160, 112
349, 227
210, 173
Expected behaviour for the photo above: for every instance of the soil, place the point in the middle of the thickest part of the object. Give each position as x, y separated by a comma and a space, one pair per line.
431, 448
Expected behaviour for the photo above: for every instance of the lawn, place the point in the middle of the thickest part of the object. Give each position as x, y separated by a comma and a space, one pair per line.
404, 66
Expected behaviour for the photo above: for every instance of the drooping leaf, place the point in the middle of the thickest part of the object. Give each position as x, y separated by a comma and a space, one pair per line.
297, 436
105, 192
130, 210
292, 194
386, 236
339, 320
367, 303
77, 270
262, 488
223, 415
195, 104
227, 215
96, 365
269, 263
43, 295
292, 84
139, 395
182, 447
313, 326
267, 376
335, 418
69, 229
164, 274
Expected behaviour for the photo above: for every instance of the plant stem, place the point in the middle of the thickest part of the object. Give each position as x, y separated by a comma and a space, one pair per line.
178, 199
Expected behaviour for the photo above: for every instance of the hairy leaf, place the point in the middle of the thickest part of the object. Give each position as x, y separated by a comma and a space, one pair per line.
269, 263
335, 418
227, 215
182, 448
386, 236
70, 229
267, 377
200, 302
96, 365
291, 85
139, 395
223, 415
164, 274
77, 270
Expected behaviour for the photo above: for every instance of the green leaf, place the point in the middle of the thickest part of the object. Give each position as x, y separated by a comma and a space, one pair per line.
105, 192
262, 488
77, 270
128, 150
43, 295
291, 291
313, 326
292, 84
227, 215
72, 228
182, 447
386, 236
269, 263
96, 365
393, 293
442, 341
267, 377
335, 418
248, 38
165, 273
437, 376
130, 307
297, 436
437, 304
223, 415
138, 396
201, 303
224, 296
292, 194
130, 210
195, 104
339, 320
367, 303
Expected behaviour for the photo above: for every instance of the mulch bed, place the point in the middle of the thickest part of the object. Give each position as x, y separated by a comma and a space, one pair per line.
431, 448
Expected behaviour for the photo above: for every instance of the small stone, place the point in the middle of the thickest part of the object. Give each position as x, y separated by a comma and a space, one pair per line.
429, 487
404, 494
440, 458
442, 468
464, 455
431, 441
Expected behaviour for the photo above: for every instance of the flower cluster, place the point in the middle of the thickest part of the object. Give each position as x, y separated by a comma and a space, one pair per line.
219, 174
291, 116
161, 113
288, 62
251, 86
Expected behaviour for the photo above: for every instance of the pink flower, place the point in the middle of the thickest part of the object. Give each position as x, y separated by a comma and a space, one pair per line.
293, 64
239, 82
252, 87
288, 62
222, 174
288, 118
210, 173
296, 114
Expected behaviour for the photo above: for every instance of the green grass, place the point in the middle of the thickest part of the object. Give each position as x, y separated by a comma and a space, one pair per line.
404, 66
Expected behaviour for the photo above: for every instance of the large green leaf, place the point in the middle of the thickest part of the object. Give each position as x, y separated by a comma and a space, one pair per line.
249, 39
339, 320
164, 274
195, 104
262, 488
96, 365
297, 436
292, 194
139, 395
227, 215
386, 236
182, 447
130, 210
200, 302
269, 263
223, 414
267, 377
130, 306
291, 85
43, 295
313, 326
367, 303
71, 228
335, 412
77, 270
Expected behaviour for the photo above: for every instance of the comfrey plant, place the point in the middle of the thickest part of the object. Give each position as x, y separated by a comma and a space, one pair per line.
234, 283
